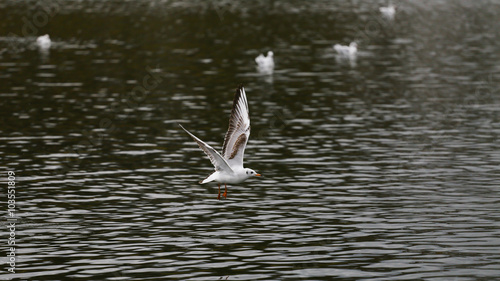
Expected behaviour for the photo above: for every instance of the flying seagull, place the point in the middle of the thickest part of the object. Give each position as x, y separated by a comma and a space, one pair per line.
229, 166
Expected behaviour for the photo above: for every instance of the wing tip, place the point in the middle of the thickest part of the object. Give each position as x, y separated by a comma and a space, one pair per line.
184, 128
239, 90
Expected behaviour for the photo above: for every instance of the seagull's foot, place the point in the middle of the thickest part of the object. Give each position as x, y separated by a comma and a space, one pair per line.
218, 195
225, 191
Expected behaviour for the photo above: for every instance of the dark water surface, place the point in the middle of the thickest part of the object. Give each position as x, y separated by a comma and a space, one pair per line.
381, 168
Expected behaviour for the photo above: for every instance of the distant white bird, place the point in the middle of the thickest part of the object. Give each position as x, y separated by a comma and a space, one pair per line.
388, 11
43, 42
265, 64
229, 165
347, 51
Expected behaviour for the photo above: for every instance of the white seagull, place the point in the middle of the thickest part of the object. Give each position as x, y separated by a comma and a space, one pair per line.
265, 64
388, 11
229, 166
43, 42
347, 51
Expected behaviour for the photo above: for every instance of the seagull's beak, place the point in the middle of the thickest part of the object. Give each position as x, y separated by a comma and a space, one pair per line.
258, 175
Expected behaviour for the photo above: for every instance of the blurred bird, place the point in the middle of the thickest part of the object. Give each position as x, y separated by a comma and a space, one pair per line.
347, 51
43, 42
389, 11
265, 64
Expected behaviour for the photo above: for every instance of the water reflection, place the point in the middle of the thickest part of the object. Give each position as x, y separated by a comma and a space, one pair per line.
382, 170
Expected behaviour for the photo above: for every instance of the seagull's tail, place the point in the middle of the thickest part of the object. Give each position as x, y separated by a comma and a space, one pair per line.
210, 178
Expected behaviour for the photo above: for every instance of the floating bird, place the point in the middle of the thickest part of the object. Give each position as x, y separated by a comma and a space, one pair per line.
347, 51
265, 64
388, 11
229, 166
43, 42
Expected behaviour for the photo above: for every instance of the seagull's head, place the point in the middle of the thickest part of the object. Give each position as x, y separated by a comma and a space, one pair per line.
251, 173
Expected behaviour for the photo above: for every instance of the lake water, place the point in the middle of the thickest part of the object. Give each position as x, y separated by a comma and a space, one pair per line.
383, 167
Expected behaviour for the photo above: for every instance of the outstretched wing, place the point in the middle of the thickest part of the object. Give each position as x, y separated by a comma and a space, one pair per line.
239, 130
217, 160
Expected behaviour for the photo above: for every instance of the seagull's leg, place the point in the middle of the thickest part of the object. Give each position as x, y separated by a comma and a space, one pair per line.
225, 191
218, 196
